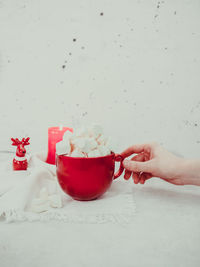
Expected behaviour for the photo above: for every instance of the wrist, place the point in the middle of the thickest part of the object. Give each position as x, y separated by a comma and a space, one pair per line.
190, 171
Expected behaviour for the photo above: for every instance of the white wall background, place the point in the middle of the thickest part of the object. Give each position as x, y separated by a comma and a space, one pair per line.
135, 70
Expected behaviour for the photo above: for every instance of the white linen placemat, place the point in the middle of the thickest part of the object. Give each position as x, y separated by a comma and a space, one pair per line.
19, 189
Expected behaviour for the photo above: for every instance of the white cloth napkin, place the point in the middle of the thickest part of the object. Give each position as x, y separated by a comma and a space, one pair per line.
19, 189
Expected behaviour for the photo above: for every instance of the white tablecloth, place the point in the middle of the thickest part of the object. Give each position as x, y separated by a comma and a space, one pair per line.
164, 232
18, 190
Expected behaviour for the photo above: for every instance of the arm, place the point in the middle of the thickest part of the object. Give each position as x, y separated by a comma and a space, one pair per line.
152, 160
190, 172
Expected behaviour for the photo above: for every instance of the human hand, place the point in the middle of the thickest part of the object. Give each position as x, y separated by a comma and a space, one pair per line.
152, 160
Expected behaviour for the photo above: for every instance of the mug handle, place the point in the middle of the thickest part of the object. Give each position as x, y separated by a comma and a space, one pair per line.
119, 158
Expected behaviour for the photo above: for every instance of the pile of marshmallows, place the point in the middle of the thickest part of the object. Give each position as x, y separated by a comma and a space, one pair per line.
86, 142
46, 201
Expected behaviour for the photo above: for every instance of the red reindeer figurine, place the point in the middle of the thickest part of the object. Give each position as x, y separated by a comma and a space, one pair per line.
20, 161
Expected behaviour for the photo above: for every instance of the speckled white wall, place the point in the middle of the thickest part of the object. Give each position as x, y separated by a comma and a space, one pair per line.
132, 66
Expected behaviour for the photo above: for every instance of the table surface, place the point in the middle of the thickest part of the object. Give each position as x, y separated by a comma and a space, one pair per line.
164, 232
135, 70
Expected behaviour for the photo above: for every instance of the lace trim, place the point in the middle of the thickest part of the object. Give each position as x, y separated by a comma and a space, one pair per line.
60, 215
20, 216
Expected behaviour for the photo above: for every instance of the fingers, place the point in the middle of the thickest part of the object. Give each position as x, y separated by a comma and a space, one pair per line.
141, 177
148, 176
139, 169
134, 149
135, 166
139, 157
135, 177
145, 177
146, 156
127, 175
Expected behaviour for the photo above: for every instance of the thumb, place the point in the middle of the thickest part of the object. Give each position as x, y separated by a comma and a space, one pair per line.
136, 166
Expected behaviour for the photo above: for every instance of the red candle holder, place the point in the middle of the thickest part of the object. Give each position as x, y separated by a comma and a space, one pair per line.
55, 135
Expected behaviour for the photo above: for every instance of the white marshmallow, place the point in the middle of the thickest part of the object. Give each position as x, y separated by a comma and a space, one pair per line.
92, 143
40, 208
79, 142
82, 132
89, 145
94, 153
95, 131
55, 201
102, 140
86, 147
67, 136
83, 144
63, 147
77, 153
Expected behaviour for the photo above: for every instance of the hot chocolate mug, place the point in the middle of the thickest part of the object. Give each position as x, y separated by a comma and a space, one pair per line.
87, 178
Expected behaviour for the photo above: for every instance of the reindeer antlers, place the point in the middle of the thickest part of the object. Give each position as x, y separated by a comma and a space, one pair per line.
16, 141
25, 141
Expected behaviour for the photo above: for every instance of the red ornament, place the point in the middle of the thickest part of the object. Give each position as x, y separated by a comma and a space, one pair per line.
20, 161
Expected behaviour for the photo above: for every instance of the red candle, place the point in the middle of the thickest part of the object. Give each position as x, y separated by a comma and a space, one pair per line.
55, 135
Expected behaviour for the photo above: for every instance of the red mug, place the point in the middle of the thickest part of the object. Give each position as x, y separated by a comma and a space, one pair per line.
87, 178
